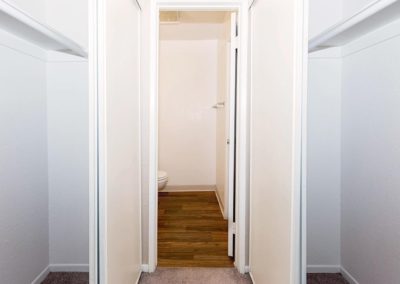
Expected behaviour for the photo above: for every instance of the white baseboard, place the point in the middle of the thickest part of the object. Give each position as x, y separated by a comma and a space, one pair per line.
138, 279
221, 207
323, 268
145, 267
348, 276
69, 267
188, 188
252, 278
39, 279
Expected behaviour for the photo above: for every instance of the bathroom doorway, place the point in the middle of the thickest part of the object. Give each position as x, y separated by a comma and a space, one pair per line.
196, 138
238, 230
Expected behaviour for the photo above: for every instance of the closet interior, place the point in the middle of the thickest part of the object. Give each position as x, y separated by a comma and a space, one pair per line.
44, 202
353, 136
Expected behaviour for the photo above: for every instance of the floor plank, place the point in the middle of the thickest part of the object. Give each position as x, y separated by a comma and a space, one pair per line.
191, 231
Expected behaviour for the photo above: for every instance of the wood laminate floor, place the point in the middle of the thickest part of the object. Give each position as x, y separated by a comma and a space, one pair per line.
191, 231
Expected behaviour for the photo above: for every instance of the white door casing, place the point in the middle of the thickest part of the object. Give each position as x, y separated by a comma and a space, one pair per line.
242, 120
232, 133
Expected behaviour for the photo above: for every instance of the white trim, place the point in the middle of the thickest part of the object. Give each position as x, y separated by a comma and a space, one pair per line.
145, 268
153, 138
231, 123
93, 135
42, 275
221, 206
102, 140
299, 162
252, 278
138, 278
189, 188
323, 269
69, 267
242, 146
348, 276
242, 127
140, 130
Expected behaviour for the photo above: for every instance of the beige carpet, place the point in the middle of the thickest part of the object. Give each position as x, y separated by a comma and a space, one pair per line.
195, 276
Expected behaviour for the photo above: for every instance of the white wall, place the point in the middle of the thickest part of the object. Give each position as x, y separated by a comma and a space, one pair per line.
323, 164
273, 175
368, 91
67, 111
121, 143
63, 95
371, 160
324, 14
323, 153
24, 243
188, 87
69, 17
354, 6
35, 8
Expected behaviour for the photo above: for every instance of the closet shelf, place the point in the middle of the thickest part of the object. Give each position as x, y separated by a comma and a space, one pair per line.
19, 23
370, 18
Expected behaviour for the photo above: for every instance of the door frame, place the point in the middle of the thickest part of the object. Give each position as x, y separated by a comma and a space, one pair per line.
242, 8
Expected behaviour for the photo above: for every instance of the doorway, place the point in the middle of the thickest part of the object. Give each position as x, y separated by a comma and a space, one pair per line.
237, 216
196, 138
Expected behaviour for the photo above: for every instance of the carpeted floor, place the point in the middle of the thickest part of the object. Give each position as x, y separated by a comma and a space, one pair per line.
67, 278
325, 278
195, 276
190, 276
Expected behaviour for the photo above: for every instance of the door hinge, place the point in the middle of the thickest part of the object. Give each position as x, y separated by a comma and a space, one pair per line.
228, 141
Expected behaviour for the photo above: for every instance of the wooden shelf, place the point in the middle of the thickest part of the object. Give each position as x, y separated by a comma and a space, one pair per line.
370, 18
20, 24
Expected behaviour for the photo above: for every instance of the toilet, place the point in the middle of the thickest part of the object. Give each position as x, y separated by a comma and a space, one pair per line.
162, 180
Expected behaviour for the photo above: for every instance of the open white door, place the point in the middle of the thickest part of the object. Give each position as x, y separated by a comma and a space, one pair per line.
118, 84
233, 75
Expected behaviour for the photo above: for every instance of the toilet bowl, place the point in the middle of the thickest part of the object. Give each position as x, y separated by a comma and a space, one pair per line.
162, 180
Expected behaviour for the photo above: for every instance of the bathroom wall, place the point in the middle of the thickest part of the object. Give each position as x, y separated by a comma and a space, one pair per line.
190, 84
187, 122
